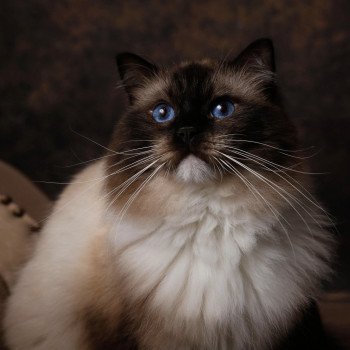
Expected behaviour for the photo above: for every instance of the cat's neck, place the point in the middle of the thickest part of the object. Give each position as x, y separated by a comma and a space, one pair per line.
165, 196
165, 203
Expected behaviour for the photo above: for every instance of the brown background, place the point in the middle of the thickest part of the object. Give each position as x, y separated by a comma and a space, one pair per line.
58, 76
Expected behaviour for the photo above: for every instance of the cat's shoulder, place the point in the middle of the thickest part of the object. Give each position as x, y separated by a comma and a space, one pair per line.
84, 192
89, 179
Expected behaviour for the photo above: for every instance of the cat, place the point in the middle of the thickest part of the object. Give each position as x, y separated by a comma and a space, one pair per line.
196, 230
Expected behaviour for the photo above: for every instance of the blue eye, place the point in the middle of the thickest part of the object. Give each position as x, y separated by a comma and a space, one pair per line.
223, 109
163, 113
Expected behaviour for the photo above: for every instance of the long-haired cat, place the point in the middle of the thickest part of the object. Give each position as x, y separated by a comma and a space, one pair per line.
197, 230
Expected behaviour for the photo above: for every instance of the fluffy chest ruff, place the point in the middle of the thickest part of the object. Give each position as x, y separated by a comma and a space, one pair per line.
218, 271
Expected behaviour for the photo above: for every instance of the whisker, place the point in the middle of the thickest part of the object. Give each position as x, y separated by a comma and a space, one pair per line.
272, 185
127, 158
96, 179
104, 147
55, 211
139, 189
132, 165
274, 211
311, 199
88, 161
93, 141
314, 202
94, 182
275, 164
270, 146
128, 182
216, 165
135, 194
136, 149
138, 140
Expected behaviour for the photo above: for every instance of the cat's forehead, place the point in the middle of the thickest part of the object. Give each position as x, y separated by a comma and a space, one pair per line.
199, 81
191, 80
189, 75
178, 81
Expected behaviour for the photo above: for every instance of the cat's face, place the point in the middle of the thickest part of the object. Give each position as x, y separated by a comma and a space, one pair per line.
201, 121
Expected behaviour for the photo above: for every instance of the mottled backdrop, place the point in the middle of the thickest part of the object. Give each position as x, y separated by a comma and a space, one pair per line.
58, 76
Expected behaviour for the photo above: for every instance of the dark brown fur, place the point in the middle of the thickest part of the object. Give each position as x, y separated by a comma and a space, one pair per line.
104, 335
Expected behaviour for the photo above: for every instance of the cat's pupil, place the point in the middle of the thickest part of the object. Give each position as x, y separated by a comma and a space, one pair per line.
162, 111
222, 107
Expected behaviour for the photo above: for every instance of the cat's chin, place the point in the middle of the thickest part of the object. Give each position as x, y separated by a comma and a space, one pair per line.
194, 170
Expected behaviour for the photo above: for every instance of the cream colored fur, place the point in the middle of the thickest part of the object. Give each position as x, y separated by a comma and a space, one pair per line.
218, 269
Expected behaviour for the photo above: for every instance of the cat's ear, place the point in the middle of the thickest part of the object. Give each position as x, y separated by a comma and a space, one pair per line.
259, 55
134, 70
258, 60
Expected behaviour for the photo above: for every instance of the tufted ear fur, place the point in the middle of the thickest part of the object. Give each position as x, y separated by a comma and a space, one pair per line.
134, 70
258, 60
259, 54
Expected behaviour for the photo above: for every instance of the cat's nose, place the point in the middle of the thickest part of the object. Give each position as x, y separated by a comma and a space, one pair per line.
186, 133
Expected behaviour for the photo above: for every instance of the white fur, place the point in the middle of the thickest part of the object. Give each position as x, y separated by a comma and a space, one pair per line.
41, 310
192, 169
220, 269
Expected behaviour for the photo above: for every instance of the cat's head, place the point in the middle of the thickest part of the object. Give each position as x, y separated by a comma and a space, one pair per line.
201, 121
